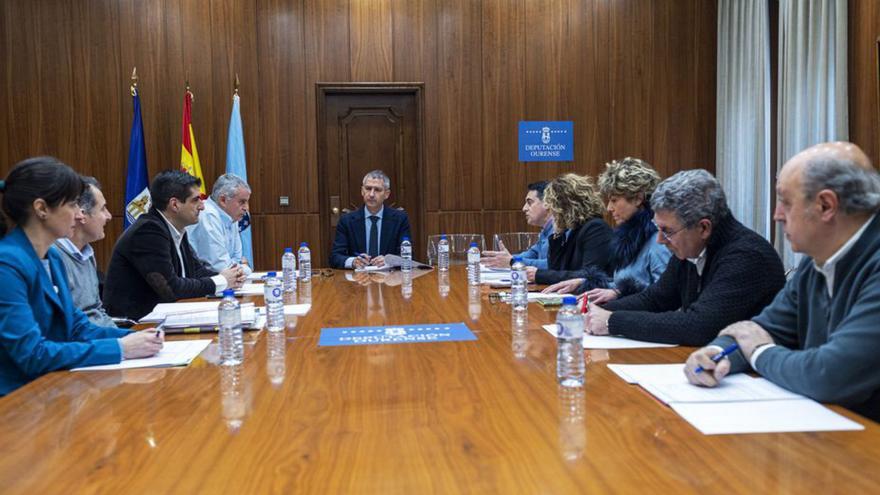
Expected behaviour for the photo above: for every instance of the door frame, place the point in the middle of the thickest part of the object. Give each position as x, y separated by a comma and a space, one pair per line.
325, 89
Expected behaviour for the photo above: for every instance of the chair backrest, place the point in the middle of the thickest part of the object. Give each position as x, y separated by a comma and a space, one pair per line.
458, 246
515, 242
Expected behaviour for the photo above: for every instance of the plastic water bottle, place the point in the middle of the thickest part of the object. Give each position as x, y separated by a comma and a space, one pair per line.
473, 266
406, 254
519, 293
569, 339
443, 254
274, 303
288, 270
229, 316
305, 262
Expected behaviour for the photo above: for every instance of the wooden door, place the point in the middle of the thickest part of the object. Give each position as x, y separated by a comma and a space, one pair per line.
363, 127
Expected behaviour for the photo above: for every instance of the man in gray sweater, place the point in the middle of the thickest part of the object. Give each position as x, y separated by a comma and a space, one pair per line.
821, 335
79, 257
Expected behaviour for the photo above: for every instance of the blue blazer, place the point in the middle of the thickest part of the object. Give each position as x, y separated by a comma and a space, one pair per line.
40, 329
351, 237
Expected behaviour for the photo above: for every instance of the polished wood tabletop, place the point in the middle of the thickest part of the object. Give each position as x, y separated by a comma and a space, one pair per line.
481, 416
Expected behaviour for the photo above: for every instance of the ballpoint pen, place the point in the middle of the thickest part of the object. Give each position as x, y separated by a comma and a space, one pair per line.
721, 355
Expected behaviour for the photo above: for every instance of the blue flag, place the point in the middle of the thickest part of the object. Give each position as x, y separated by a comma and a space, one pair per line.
137, 192
235, 164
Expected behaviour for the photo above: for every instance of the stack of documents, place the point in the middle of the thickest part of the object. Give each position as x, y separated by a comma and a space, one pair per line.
259, 276
179, 353
250, 290
740, 404
197, 317
206, 321
495, 278
611, 342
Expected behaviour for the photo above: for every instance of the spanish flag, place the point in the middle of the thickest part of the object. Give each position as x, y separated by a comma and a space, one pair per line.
189, 155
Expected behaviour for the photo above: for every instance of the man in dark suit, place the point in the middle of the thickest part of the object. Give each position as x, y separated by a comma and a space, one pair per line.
366, 235
153, 262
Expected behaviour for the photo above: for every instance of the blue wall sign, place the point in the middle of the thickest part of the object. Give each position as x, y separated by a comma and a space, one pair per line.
546, 141
400, 334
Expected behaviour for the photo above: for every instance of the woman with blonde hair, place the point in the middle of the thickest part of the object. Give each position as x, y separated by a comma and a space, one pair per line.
637, 258
579, 246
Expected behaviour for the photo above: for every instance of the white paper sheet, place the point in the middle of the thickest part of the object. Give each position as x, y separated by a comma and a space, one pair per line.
495, 278
258, 276
657, 373
208, 318
610, 341
289, 309
734, 388
175, 353
774, 416
162, 310
250, 290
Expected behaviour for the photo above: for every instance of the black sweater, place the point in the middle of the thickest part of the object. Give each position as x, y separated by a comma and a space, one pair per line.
587, 249
742, 275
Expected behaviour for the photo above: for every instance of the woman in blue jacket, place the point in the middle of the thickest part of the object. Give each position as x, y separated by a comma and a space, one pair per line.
637, 258
40, 328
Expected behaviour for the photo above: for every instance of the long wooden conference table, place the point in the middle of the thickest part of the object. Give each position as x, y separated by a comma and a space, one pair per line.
453, 417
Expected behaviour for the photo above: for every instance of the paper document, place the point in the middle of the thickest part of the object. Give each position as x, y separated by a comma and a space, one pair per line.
250, 290
289, 309
741, 404
734, 388
611, 341
207, 318
774, 416
656, 373
370, 268
162, 310
257, 276
495, 278
176, 353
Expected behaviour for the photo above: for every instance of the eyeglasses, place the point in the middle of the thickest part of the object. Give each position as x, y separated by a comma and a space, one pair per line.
667, 235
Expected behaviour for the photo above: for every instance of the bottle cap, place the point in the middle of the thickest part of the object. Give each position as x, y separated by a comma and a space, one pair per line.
473, 244
517, 259
288, 250
270, 274
569, 300
442, 236
406, 238
228, 293
304, 244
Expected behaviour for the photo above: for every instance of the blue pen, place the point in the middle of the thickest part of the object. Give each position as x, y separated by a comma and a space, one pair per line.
721, 355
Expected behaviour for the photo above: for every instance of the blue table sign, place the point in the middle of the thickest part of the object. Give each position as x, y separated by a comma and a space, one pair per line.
546, 141
397, 334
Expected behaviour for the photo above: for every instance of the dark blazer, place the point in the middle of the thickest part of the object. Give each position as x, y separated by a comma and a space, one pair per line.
145, 270
587, 249
40, 328
741, 276
351, 237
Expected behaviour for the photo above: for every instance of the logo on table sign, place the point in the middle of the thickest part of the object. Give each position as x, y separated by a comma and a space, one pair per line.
545, 135
395, 331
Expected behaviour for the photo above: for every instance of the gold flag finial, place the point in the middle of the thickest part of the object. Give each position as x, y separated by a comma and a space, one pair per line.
192, 97
134, 81
236, 84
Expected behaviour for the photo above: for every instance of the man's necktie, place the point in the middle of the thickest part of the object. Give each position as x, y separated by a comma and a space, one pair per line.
373, 249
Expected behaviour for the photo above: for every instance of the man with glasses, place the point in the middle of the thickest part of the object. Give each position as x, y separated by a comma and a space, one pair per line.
821, 334
153, 262
722, 271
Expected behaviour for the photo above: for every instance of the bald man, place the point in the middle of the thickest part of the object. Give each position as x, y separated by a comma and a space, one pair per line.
820, 336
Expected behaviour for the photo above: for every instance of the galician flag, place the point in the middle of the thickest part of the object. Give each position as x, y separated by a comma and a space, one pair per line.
137, 193
235, 164
189, 155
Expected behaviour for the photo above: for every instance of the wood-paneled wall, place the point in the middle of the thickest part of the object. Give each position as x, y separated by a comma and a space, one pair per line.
864, 76
636, 76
